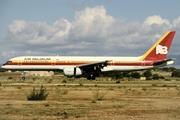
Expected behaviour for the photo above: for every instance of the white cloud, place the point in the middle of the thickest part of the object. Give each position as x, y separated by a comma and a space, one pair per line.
176, 22
156, 19
62, 27
17, 27
92, 22
154, 23
93, 32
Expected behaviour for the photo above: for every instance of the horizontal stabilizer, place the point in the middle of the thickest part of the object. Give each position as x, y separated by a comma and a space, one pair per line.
164, 62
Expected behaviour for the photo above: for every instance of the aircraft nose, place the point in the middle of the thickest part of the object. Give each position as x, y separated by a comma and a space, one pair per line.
3, 66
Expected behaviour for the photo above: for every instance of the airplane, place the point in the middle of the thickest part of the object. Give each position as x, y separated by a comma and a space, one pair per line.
73, 66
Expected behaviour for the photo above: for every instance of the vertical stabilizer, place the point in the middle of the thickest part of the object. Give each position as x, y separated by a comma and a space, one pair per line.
160, 49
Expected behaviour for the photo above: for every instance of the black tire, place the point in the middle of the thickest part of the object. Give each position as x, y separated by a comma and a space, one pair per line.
89, 77
93, 77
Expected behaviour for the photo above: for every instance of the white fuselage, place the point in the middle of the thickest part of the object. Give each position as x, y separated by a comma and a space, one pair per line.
60, 62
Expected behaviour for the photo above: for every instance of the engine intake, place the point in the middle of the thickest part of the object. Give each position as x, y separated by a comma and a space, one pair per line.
72, 71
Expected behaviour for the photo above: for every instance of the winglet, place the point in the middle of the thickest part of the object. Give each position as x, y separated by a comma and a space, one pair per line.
160, 49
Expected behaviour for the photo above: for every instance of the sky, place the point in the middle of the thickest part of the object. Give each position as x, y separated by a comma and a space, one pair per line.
85, 27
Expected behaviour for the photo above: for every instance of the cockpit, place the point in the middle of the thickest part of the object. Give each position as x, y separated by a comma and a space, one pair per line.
8, 63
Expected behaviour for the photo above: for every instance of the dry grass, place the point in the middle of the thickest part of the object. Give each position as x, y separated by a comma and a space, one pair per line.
141, 100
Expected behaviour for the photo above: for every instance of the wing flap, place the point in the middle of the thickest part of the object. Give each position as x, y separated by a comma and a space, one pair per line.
94, 65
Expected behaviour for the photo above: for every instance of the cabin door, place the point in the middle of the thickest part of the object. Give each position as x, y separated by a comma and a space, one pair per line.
143, 63
20, 62
53, 62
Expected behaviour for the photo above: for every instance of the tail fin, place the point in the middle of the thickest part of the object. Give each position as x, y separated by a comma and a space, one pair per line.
160, 49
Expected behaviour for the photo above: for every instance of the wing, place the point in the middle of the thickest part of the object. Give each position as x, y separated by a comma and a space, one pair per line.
96, 66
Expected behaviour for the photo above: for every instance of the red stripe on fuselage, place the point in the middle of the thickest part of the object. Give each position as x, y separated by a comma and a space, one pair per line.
139, 63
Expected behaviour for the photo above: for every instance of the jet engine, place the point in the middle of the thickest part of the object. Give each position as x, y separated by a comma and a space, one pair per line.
72, 71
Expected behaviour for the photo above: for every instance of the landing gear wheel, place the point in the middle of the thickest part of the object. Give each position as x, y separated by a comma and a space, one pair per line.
89, 77
93, 77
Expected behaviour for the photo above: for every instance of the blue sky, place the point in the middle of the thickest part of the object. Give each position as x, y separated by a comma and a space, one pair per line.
85, 27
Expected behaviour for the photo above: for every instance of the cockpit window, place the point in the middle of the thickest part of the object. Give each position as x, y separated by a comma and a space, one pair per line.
8, 62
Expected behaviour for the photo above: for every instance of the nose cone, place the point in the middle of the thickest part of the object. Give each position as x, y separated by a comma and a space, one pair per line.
3, 66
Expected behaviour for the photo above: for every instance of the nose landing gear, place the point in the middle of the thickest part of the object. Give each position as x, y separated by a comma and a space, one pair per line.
22, 75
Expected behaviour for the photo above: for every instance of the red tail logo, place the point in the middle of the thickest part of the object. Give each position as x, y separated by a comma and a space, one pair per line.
160, 49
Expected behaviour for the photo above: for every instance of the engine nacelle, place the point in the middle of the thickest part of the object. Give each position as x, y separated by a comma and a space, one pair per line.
72, 71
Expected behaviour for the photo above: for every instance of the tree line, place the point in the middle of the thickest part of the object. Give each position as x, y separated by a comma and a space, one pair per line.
146, 73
